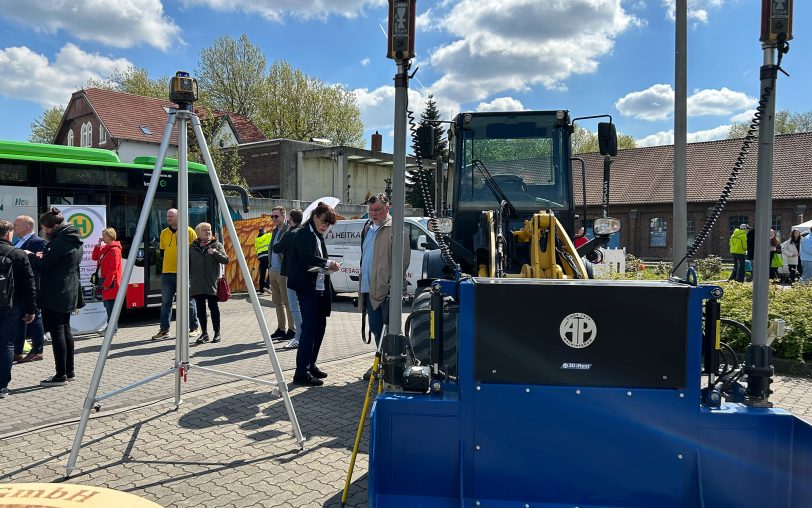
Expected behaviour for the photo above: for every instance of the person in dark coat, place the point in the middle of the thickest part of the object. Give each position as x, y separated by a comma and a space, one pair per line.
107, 253
58, 266
29, 241
21, 309
313, 291
206, 257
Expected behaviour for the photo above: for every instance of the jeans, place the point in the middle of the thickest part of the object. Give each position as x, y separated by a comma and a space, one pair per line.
807, 268
214, 308
314, 307
376, 318
108, 306
169, 286
9, 319
293, 305
37, 334
58, 323
738, 268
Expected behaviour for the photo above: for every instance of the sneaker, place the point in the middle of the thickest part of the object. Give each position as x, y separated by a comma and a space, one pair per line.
195, 332
290, 335
317, 372
308, 379
162, 334
54, 381
202, 339
3, 393
32, 357
216, 337
293, 344
278, 334
71, 379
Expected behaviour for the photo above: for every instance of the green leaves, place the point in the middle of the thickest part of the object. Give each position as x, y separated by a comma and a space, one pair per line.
43, 129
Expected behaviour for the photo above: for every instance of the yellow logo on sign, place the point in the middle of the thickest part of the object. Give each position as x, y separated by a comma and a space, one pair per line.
83, 223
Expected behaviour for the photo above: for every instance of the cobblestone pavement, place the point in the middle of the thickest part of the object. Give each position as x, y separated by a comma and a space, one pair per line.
230, 443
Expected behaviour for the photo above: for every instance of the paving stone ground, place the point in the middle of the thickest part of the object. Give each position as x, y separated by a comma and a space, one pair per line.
230, 443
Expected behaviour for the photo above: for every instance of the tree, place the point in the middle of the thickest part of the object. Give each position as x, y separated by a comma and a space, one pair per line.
43, 129
227, 161
136, 81
231, 75
584, 141
296, 106
785, 123
430, 115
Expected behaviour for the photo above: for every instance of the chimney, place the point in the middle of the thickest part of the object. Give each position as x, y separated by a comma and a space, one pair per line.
377, 142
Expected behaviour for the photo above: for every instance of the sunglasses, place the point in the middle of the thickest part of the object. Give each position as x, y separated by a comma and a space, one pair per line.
276, 216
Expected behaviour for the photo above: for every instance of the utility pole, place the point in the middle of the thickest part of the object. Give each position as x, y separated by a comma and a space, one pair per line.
679, 234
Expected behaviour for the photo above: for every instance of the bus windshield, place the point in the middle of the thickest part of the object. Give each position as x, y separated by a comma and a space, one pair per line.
527, 156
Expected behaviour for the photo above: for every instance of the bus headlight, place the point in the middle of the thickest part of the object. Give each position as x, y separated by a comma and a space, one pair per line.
605, 226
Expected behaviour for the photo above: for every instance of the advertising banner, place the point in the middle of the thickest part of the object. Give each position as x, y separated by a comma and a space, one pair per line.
16, 201
90, 220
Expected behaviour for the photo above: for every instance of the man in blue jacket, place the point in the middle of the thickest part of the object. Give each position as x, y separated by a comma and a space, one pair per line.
28, 240
806, 256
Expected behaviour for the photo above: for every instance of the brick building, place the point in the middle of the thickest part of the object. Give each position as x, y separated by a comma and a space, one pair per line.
641, 192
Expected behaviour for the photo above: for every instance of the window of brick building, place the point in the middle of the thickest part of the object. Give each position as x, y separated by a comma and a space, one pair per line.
735, 221
691, 231
70, 138
777, 226
102, 135
657, 232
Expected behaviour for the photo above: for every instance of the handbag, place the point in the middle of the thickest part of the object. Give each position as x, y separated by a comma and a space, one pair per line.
223, 290
777, 261
95, 278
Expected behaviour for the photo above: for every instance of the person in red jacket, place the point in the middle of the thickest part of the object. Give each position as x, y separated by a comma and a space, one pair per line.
107, 253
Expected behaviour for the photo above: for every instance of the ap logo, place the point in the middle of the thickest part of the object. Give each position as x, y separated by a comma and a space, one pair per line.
578, 330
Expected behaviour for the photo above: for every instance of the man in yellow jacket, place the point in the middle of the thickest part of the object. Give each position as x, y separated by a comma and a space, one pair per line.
261, 245
738, 248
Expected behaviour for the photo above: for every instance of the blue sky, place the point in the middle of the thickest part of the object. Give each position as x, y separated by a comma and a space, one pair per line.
589, 56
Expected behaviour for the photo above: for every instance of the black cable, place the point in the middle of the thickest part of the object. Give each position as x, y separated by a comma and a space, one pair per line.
749, 139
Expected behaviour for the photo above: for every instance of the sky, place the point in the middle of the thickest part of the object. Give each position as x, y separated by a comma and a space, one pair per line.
590, 57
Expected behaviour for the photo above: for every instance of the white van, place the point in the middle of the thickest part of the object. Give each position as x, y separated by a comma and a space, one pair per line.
343, 242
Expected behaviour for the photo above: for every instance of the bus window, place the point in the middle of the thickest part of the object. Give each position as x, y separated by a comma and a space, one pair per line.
14, 173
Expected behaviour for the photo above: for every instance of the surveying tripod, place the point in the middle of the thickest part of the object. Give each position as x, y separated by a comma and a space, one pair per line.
183, 91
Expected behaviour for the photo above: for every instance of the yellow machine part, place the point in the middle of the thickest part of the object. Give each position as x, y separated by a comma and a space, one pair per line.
543, 260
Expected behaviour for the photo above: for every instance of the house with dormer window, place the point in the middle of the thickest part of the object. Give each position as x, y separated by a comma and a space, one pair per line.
133, 125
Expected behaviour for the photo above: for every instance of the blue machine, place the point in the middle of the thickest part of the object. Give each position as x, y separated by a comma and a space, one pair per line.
581, 394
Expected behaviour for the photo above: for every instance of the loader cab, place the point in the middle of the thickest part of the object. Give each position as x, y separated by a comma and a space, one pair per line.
526, 153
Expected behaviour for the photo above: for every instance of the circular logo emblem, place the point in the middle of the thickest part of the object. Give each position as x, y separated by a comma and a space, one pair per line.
578, 330
83, 223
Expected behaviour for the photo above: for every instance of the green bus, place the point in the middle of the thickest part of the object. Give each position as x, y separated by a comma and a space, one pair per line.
34, 177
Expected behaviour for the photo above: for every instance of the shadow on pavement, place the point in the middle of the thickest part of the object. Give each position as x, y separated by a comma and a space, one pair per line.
356, 496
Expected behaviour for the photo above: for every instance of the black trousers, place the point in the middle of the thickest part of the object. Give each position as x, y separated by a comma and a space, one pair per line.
214, 308
314, 307
58, 324
264, 261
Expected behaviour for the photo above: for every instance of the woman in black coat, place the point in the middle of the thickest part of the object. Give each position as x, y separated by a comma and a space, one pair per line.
312, 289
58, 297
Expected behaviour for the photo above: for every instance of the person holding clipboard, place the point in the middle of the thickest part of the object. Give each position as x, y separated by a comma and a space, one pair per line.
309, 276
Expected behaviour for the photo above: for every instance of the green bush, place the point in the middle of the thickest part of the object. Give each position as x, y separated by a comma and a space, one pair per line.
792, 304
709, 268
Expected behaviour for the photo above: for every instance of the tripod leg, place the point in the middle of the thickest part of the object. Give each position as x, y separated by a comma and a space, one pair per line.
93, 390
182, 267
246, 273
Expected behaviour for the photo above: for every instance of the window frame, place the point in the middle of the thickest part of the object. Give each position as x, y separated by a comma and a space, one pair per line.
69, 139
661, 230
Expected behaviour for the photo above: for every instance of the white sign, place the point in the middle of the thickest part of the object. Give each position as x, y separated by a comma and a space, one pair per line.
90, 220
16, 201
578, 330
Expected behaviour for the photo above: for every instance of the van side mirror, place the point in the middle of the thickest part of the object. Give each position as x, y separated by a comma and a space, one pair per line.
425, 141
607, 139
422, 241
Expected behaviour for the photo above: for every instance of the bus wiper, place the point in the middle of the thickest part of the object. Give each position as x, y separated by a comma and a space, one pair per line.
504, 202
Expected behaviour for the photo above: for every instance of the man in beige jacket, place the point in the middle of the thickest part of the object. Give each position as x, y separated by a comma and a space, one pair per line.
376, 264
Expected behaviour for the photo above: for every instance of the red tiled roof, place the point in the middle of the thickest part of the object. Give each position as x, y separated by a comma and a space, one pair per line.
124, 114
645, 175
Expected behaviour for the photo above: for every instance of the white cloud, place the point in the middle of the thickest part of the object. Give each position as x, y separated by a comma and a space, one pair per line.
278, 10
30, 76
378, 106
428, 21
365, 61
121, 24
667, 137
718, 102
744, 116
657, 103
501, 104
653, 103
506, 45
697, 9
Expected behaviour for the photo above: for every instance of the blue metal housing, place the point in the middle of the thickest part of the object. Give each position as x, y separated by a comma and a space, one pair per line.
498, 444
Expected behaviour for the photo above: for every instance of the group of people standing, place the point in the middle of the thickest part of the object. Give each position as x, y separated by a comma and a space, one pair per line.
44, 273
795, 252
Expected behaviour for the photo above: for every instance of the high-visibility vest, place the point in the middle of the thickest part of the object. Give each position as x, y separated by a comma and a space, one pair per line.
261, 244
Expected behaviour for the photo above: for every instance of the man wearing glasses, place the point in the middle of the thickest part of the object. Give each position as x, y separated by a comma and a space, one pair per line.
286, 328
